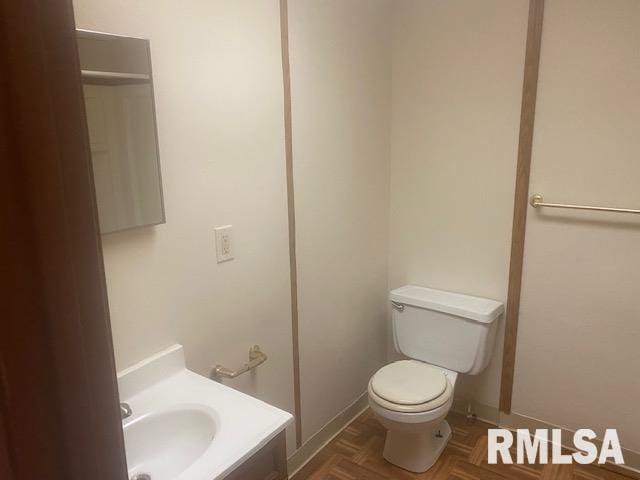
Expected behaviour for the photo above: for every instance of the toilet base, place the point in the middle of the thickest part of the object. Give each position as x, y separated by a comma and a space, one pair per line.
416, 452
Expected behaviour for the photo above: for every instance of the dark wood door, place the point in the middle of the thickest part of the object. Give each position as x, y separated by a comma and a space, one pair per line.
59, 415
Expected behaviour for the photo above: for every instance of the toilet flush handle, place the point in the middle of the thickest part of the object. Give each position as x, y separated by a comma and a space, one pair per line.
397, 306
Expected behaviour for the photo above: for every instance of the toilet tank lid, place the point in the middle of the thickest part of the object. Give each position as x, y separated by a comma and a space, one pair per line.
479, 309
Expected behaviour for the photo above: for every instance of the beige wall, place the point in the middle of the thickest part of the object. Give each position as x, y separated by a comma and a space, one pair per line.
340, 73
426, 99
578, 356
457, 85
218, 80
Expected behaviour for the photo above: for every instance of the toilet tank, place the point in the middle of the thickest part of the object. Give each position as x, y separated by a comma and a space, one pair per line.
451, 330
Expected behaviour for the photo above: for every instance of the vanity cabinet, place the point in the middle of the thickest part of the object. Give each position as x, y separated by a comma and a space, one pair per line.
269, 463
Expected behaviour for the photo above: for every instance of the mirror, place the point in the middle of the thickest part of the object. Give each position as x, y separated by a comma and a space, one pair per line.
120, 109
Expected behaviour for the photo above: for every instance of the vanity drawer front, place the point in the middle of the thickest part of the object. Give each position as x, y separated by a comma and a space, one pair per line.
269, 463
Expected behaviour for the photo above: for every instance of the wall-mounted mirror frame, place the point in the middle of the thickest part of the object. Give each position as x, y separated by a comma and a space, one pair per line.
120, 107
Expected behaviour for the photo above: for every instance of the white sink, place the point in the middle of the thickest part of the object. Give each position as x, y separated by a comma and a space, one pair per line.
186, 427
164, 444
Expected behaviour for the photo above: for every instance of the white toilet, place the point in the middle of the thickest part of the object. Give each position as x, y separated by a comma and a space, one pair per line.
444, 334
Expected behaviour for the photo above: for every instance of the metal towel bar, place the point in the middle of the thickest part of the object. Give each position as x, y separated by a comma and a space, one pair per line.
256, 357
537, 201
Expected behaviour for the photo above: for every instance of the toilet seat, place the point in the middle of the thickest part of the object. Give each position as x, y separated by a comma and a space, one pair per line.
410, 386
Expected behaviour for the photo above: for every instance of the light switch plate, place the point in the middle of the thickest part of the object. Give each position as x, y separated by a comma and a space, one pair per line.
224, 243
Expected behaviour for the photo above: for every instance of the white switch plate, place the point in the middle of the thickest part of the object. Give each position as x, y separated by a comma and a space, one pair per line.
224, 243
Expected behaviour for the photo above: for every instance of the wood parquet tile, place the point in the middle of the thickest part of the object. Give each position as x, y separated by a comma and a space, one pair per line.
356, 454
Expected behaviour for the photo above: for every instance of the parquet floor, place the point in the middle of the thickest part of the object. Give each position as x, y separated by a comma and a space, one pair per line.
356, 454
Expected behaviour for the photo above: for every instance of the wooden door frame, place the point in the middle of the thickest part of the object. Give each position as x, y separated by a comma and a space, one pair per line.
59, 415
521, 199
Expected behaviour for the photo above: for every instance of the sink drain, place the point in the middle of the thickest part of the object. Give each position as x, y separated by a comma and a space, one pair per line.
141, 476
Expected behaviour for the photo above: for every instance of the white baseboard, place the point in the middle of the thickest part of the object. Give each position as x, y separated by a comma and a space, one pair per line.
318, 441
482, 412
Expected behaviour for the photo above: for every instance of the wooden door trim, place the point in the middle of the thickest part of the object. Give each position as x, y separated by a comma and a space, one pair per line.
293, 264
520, 203
58, 396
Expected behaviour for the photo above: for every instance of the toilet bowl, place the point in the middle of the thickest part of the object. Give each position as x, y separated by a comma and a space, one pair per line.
411, 400
443, 334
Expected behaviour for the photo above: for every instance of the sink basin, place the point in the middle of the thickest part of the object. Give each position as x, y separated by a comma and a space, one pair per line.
186, 427
161, 445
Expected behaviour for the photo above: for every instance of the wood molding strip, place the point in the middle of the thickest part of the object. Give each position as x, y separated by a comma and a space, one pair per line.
520, 204
293, 267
